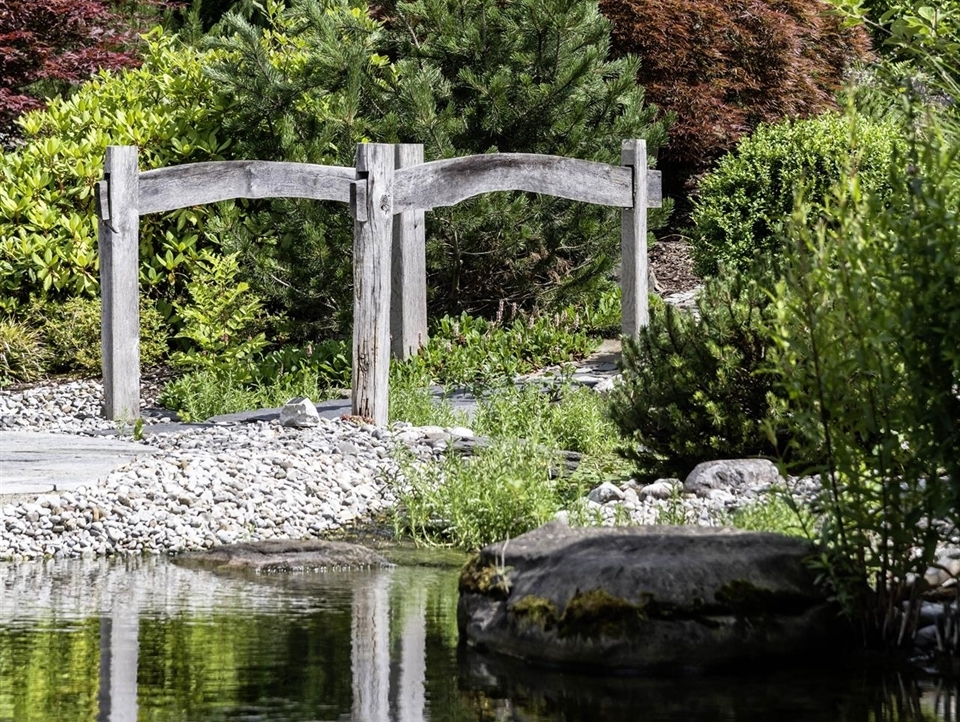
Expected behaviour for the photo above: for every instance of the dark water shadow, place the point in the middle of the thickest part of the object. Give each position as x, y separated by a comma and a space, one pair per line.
811, 692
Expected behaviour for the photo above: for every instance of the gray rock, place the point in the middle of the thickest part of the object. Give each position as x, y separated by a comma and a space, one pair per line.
285, 555
605, 493
660, 489
731, 475
644, 598
607, 385
299, 413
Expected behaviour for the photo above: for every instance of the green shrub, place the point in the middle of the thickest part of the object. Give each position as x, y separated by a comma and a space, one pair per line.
499, 493
47, 224
743, 206
22, 354
71, 330
221, 321
694, 390
463, 80
533, 76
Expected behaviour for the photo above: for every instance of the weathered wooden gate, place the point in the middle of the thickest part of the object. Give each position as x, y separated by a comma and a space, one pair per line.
388, 192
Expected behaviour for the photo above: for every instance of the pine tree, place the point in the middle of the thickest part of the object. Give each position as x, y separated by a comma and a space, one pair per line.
532, 76
474, 77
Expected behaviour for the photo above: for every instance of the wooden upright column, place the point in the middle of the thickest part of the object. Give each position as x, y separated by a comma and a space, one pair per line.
408, 307
118, 196
633, 234
372, 205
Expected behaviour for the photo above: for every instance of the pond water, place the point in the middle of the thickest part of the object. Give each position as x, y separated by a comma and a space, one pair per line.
145, 639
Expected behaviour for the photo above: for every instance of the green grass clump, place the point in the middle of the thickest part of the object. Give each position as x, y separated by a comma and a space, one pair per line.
512, 485
22, 354
466, 350
501, 492
776, 512
202, 394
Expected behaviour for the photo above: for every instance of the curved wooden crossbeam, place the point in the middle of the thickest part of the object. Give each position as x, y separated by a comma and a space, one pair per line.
192, 184
447, 182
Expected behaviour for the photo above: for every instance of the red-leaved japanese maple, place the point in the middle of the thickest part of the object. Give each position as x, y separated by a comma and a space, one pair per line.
56, 40
724, 66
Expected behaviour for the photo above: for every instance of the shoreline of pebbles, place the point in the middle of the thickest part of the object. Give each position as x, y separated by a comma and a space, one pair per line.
247, 481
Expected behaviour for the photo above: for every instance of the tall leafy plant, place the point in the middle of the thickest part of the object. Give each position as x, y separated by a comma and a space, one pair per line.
866, 321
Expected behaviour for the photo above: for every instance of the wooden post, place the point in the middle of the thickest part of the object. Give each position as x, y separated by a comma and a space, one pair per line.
408, 304
633, 234
372, 205
118, 229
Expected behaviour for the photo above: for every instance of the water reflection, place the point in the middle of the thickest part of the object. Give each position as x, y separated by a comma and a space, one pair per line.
143, 639
347, 646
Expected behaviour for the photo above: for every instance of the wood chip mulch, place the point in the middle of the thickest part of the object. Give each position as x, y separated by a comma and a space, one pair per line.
672, 265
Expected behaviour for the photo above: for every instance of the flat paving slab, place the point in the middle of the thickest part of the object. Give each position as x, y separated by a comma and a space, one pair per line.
37, 462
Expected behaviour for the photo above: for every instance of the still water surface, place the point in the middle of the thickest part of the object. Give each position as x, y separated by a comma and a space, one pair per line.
144, 639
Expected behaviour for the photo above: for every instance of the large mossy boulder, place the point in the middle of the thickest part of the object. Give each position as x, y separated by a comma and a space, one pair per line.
640, 598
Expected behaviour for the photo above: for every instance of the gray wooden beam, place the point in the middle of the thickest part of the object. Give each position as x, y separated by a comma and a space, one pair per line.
118, 230
372, 256
408, 305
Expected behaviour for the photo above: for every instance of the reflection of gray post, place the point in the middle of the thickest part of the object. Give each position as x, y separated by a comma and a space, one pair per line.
119, 648
411, 704
118, 197
370, 650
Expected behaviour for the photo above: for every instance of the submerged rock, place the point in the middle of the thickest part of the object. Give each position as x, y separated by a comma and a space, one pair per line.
638, 598
282, 555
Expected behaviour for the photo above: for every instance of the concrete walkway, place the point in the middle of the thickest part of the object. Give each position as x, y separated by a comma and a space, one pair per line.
37, 462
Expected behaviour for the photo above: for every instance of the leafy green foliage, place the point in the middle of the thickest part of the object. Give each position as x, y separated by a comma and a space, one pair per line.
560, 417
306, 87
866, 324
695, 390
742, 207
512, 485
909, 29
533, 76
473, 79
411, 401
500, 493
22, 355
470, 350
221, 320
47, 222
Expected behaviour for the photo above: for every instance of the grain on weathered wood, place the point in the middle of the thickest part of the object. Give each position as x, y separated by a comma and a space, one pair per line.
408, 304
192, 184
447, 182
372, 256
633, 235
118, 230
